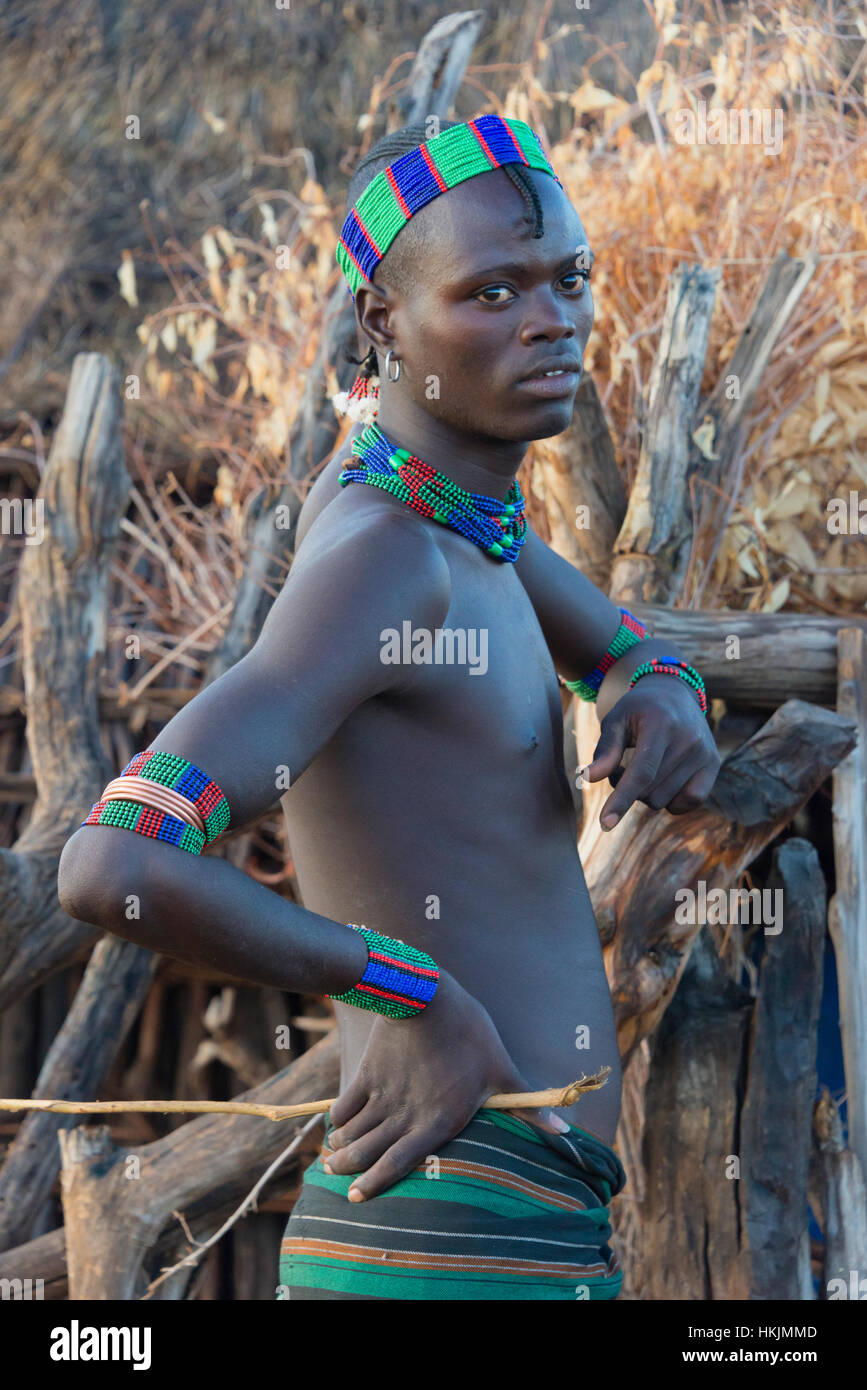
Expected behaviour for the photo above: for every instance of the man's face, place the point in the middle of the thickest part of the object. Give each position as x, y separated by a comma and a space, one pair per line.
491, 306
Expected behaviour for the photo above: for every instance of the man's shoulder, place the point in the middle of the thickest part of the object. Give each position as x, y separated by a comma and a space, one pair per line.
367, 546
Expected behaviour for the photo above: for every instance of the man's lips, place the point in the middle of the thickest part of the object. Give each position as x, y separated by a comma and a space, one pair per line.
553, 378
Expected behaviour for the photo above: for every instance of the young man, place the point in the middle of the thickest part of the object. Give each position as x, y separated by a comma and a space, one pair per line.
428, 800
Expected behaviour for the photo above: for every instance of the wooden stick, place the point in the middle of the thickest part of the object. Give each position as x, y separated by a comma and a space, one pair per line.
556, 1096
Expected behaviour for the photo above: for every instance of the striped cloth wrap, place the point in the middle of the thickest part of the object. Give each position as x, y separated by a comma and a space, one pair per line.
505, 1210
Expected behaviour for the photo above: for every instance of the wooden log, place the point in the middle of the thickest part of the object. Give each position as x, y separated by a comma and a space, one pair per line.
113, 1222
62, 586
578, 470
190, 1002
643, 551
758, 790
439, 66
109, 998
18, 1064
775, 657
229, 1042
776, 1118
843, 1192
41, 1259
627, 1208
848, 914
722, 422
691, 1242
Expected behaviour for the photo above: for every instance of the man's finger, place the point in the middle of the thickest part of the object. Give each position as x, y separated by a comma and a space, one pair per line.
635, 782
693, 792
363, 1152
398, 1160
366, 1119
673, 773
609, 750
349, 1102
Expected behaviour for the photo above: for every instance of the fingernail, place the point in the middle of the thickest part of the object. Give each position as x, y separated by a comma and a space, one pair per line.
559, 1123
327, 1169
609, 821
355, 1195
582, 770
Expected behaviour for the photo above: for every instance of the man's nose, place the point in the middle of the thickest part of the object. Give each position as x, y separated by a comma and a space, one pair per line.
552, 320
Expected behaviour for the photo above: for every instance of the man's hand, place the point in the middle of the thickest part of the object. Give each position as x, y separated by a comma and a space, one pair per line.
675, 760
419, 1083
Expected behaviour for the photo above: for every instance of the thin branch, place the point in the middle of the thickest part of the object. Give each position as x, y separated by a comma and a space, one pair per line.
556, 1096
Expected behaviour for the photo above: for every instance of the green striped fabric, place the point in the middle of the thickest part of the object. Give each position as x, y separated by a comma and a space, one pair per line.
505, 1210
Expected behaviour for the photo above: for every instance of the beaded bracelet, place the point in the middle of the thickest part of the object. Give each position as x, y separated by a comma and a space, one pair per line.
671, 666
399, 980
178, 786
630, 632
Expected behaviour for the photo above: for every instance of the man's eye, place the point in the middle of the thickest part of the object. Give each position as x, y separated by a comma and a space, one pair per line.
494, 289
583, 275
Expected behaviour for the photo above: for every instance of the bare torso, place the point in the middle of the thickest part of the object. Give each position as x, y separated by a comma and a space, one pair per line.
443, 816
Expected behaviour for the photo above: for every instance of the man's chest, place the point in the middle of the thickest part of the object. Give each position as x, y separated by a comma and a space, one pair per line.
485, 675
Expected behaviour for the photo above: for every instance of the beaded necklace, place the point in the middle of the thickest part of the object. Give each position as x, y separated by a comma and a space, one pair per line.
498, 528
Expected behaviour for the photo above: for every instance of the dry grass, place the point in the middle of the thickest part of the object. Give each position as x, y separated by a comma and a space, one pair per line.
221, 366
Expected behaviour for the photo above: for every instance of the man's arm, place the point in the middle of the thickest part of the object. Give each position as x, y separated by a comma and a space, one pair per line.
675, 761
579, 621
317, 658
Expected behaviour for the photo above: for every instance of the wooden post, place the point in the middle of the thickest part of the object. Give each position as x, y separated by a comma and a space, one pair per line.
848, 914
776, 1117
643, 552
62, 590
843, 1196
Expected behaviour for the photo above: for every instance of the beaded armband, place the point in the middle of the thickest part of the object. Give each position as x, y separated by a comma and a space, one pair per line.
630, 632
165, 797
399, 980
671, 666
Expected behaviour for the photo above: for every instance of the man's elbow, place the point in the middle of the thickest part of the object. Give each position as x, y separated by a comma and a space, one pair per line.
88, 881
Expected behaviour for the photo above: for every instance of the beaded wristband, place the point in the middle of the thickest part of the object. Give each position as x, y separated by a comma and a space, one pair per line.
630, 632
399, 980
149, 817
671, 666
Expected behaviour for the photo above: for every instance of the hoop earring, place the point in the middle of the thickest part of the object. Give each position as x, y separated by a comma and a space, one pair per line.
388, 357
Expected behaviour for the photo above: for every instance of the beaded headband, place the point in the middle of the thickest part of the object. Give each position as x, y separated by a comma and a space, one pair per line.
422, 174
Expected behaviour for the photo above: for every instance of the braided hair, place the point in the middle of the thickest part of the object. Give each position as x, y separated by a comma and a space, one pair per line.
395, 267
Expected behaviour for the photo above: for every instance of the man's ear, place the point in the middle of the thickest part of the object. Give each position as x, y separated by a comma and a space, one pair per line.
373, 311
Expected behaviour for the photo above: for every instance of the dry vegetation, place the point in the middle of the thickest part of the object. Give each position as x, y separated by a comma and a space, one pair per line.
221, 360
200, 257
